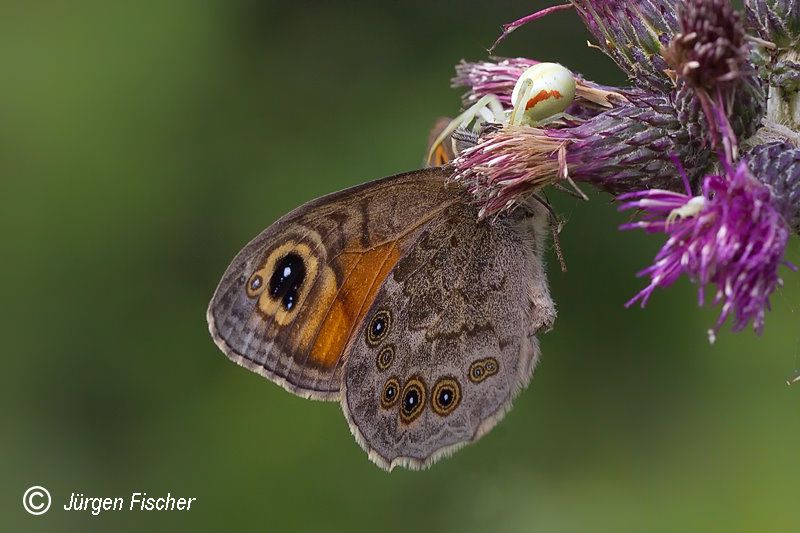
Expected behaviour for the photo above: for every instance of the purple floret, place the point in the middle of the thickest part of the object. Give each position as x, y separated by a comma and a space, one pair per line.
735, 241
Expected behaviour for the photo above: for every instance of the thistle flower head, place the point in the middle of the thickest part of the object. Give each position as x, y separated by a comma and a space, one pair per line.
633, 34
731, 236
507, 164
710, 49
710, 57
490, 77
622, 149
777, 165
697, 93
630, 147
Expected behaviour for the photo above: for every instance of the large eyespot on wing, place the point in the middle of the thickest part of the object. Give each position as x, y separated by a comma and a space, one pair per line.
463, 314
290, 301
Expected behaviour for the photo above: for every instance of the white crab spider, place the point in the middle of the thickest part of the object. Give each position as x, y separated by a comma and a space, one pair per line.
689, 209
541, 93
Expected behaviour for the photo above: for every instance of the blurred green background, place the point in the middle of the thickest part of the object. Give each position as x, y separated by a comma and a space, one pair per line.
144, 143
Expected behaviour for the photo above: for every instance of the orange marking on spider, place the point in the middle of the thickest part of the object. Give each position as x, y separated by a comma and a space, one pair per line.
542, 96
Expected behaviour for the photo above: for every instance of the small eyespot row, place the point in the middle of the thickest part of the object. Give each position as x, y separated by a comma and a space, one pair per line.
446, 396
390, 393
483, 368
378, 327
412, 400
385, 357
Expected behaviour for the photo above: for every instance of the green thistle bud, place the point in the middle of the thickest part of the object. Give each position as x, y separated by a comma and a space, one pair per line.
776, 21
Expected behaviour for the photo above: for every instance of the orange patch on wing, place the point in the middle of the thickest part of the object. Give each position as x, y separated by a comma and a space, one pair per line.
541, 97
440, 156
352, 302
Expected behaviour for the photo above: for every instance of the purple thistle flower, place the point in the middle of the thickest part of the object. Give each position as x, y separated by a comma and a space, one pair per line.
627, 147
711, 56
731, 236
509, 163
622, 149
711, 48
697, 94
490, 77
633, 34
498, 78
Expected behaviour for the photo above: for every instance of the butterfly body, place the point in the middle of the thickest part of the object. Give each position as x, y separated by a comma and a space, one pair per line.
392, 298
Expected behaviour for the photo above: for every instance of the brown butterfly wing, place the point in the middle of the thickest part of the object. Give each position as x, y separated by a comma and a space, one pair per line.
450, 338
290, 301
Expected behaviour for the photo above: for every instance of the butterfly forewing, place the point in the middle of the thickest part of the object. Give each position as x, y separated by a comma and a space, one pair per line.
292, 298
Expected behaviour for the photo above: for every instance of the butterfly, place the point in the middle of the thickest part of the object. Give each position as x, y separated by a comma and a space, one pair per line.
395, 300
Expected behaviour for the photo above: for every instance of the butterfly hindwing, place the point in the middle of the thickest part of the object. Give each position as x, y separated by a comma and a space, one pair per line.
450, 338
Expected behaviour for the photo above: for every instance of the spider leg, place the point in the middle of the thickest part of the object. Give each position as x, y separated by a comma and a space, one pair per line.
491, 101
498, 112
518, 113
553, 118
